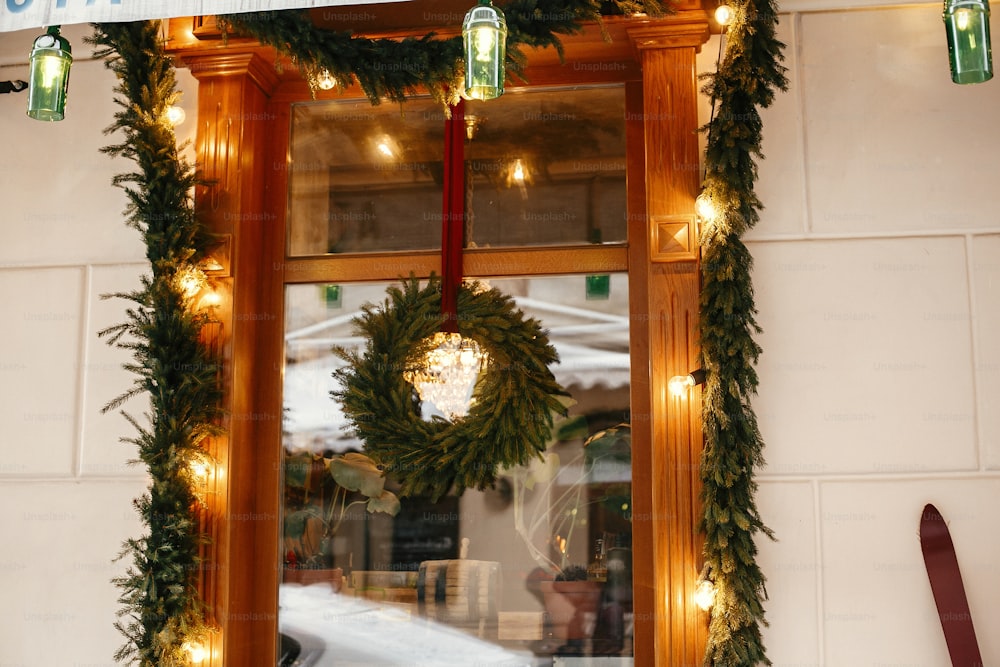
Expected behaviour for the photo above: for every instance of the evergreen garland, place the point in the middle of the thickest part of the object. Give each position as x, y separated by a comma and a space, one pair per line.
510, 421
161, 606
747, 78
396, 69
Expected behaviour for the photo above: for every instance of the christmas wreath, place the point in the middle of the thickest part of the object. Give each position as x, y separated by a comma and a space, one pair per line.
508, 423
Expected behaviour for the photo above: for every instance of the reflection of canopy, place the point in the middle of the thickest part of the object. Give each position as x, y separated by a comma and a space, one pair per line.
592, 348
39, 13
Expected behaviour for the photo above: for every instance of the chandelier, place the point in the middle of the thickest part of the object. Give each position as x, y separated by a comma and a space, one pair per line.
446, 375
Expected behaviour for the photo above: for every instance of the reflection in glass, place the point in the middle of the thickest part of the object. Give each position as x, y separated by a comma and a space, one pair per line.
542, 167
365, 178
395, 589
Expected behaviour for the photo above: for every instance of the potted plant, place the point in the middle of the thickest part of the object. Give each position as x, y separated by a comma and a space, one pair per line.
319, 490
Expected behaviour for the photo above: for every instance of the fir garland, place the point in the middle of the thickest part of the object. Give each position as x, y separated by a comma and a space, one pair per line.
747, 78
426, 62
161, 606
159, 595
509, 423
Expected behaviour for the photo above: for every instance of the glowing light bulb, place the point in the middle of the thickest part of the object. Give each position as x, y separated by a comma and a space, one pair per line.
962, 18
196, 652
212, 299
679, 384
704, 207
723, 14
384, 149
175, 115
325, 80
199, 470
518, 172
485, 39
191, 282
704, 594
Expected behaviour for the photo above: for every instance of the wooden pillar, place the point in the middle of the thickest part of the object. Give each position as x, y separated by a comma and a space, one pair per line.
241, 201
664, 274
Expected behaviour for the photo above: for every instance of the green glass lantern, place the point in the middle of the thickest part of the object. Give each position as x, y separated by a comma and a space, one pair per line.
967, 23
484, 34
48, 78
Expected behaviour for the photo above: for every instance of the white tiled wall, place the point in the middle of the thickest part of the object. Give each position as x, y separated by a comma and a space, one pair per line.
878, 288
65, 485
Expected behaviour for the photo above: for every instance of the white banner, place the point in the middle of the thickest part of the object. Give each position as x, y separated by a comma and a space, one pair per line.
22, 14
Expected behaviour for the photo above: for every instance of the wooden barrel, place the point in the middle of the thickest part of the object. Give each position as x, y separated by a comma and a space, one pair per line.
458, 591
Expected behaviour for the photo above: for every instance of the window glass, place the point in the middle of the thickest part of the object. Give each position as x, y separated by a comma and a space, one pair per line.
570, 513
365, 178
542, 167
546, 167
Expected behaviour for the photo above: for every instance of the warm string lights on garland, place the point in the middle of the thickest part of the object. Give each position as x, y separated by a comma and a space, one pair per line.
164, 622
434, 65
747, 78
162, 615
679, 385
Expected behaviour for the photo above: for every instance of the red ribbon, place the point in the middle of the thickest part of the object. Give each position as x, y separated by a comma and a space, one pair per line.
453, 217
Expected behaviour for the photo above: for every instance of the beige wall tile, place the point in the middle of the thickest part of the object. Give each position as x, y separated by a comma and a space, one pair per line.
891, 143
867, 356
792, 568
60, 540
40, 365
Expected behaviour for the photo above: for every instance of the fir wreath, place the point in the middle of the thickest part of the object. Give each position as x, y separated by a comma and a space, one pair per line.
510, 420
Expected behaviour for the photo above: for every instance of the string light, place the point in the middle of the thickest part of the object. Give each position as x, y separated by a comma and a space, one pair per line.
723, 14
196, 652
201, 470
325, 80
704, 594
191, 280
678, 385
705, 208
175, 115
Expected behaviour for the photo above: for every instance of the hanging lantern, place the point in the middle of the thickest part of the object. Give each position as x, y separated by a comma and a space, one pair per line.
967, 23
48, 80
484, 34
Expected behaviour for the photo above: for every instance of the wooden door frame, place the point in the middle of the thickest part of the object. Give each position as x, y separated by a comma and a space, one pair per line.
243, 120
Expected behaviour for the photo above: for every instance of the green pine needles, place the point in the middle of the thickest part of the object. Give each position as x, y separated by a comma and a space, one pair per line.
397, 69
746, 80
510, 421
161, 608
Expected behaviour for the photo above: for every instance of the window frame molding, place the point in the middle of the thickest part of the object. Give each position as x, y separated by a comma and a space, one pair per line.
243, 120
